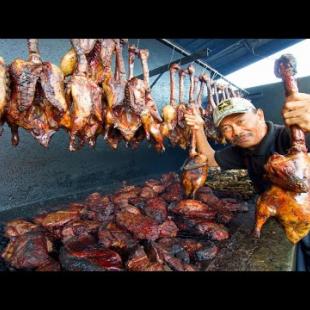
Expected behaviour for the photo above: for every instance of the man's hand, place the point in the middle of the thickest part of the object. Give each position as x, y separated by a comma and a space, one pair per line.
296, 111
194, 119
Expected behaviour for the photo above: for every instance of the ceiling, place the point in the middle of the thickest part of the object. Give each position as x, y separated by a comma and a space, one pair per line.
229, 55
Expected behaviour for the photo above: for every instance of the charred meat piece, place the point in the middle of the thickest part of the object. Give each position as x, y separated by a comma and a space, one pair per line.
168, 229
116, 238
18, 227
148, 193
169, 178
173, 254
156, 208
224, 217
200, 251
207, 252
155, 185
194, 209
28, 251
98, 208
79, 227
51, 265
125, 194
139, 261
212, 230
90, 258
55, 221
174, 192
142, 227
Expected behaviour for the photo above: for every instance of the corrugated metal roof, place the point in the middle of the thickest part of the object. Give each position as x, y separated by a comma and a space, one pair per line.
229, 55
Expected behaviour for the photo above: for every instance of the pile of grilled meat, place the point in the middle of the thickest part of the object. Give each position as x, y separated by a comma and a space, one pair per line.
151, 227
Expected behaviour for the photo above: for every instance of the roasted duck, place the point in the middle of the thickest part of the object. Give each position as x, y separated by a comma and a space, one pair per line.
288, 199
195, 170
38, 101
85, 96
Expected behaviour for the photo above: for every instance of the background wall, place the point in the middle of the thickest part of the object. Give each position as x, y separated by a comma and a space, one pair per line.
31, 173
272, 98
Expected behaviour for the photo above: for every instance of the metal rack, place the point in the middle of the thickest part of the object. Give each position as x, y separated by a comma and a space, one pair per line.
190, 57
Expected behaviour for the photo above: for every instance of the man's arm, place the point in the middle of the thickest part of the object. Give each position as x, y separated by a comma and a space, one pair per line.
195, 121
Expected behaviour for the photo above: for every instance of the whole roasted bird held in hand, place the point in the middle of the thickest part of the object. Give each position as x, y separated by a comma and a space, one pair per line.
37, 97
288, 199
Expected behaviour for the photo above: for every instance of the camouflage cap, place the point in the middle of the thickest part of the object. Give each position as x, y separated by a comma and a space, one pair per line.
231, 106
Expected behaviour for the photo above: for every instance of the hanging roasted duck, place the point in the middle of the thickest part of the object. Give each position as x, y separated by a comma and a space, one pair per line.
37, 101
4, 91
125, 119
203, 80
85, 97
288, 199
92, 49
195, 169
181, 133
169, 111
142, 103
213, 100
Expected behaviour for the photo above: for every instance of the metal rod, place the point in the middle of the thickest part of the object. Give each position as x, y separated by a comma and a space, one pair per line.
200, 62
182, 61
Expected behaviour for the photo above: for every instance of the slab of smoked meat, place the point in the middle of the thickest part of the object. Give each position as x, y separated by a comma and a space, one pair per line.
85, 97
38, 101
288, 199
147, 193
142, 227
168, 178
4, 91
155, 185
98, 208
168, 229
84, 255
194, 209
28, 251
126, 193
139, 261
198, 250
55, 221
174, 192
171, 252
116, 238
195, 170
156, 208
212, 230
18, 227
79, 227
221, 205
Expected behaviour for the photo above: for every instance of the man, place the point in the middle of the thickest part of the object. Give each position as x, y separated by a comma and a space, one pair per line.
252, 141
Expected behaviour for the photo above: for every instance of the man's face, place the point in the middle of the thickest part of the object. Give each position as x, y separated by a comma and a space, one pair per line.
245, 130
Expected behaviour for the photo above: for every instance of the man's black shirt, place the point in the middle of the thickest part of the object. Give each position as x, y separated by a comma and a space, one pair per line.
277, 140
